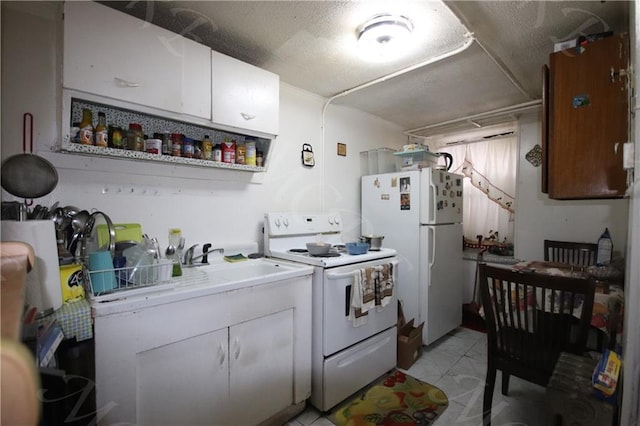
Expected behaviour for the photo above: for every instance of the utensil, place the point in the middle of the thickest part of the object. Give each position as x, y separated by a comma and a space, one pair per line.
374, 241
316, 249
27, 175
357, 248
448, 160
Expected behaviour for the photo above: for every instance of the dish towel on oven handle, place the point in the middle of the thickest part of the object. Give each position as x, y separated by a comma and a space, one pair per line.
363, 295
371, 287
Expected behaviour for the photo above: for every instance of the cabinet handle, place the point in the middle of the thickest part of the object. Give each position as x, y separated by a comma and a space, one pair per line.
124, 83
236, 350
222, 353
619, 74
247, 116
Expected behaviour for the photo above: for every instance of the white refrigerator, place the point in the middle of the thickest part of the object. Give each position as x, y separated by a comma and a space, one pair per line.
419, 213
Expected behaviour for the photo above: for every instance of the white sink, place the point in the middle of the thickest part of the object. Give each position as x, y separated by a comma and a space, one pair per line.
240, 274
196, 281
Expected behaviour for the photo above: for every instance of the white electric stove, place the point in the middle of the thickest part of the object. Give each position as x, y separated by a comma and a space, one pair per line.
345, 357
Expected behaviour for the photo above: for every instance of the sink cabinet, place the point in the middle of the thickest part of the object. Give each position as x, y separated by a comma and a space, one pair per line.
239, 357
585, 117
131, 60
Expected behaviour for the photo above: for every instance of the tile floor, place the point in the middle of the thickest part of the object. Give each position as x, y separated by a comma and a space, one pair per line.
457, 364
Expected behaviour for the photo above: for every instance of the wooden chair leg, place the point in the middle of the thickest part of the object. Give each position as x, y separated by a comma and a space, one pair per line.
489, 384
505, 383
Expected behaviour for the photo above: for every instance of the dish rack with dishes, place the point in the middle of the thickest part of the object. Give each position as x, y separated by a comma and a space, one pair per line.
101, 282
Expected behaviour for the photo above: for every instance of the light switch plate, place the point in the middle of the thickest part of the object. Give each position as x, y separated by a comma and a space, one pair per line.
628, 154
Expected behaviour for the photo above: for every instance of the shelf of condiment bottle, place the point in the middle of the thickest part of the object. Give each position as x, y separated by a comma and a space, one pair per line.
139, 155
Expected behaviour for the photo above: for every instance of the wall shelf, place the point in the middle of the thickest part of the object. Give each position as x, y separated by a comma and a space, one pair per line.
136, 155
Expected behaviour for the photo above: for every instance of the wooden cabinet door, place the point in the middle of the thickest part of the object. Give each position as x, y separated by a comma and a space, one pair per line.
243, 96
588, 116
261, 367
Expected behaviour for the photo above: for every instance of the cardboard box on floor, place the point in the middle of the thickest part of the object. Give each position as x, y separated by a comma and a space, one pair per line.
409, 340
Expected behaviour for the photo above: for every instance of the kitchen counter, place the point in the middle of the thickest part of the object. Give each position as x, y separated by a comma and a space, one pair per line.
472, 254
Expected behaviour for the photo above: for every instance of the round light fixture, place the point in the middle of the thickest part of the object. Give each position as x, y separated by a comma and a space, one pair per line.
384, 36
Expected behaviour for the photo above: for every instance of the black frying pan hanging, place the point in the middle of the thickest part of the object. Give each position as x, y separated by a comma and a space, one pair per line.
27, 175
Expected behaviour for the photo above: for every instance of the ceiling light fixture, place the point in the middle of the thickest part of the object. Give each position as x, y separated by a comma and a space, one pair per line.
384, 36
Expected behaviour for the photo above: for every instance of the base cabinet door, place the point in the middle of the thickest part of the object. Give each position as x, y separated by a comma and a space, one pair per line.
261, 367
187, 379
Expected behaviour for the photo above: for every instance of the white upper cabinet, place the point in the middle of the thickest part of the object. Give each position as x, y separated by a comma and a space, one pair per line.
112, 54
244, 96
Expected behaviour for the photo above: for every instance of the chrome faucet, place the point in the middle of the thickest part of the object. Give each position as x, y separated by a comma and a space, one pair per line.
188, 257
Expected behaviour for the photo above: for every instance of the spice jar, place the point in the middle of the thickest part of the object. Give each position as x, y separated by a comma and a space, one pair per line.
217, 152
229, 151
241, 152
116, 139
259, 159
250, 156
176, 144
135, 137
188, 148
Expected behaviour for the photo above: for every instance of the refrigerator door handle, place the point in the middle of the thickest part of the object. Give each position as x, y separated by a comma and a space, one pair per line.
431, 245
432, 198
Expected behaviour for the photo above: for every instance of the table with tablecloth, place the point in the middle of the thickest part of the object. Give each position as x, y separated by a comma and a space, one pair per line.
608, 304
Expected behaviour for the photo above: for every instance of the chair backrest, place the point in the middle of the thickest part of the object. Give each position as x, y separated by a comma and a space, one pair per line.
582, 254
532, 317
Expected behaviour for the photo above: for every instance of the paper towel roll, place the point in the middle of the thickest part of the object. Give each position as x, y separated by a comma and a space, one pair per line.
43, 288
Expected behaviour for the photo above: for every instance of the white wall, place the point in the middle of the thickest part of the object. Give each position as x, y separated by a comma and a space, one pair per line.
220, 206
539, 218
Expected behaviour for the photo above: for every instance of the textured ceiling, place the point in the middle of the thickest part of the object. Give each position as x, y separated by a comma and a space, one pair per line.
311, 45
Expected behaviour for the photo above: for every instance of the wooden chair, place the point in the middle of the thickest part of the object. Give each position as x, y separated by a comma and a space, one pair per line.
581, 254
529, 320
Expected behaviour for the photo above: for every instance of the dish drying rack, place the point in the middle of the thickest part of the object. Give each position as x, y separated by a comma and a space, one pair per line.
115, 280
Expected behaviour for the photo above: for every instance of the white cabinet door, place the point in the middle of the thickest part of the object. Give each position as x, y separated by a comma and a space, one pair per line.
112, 54
187, 379
261, 367
244, 96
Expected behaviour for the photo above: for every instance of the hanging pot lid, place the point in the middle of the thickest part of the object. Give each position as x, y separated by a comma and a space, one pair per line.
28, 175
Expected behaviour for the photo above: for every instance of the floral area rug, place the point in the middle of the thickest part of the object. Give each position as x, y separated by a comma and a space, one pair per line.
395, 400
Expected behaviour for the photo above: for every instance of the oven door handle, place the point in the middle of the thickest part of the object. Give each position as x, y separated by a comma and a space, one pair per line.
350, 274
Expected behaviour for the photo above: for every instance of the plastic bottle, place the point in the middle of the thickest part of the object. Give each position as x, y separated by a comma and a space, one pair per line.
85, 135
605, 249
101, 131
207, 148
175, 234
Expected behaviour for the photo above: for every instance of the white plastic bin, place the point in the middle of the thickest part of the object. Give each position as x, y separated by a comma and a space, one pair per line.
378, 160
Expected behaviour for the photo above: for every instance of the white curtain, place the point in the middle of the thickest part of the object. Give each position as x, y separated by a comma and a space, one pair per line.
489, 168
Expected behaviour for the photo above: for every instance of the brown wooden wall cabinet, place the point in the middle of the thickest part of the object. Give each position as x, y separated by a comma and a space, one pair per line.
585, 120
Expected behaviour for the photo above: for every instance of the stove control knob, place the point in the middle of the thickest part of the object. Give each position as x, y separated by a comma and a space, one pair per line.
337, 220
330, 220
277, 221
285, 221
